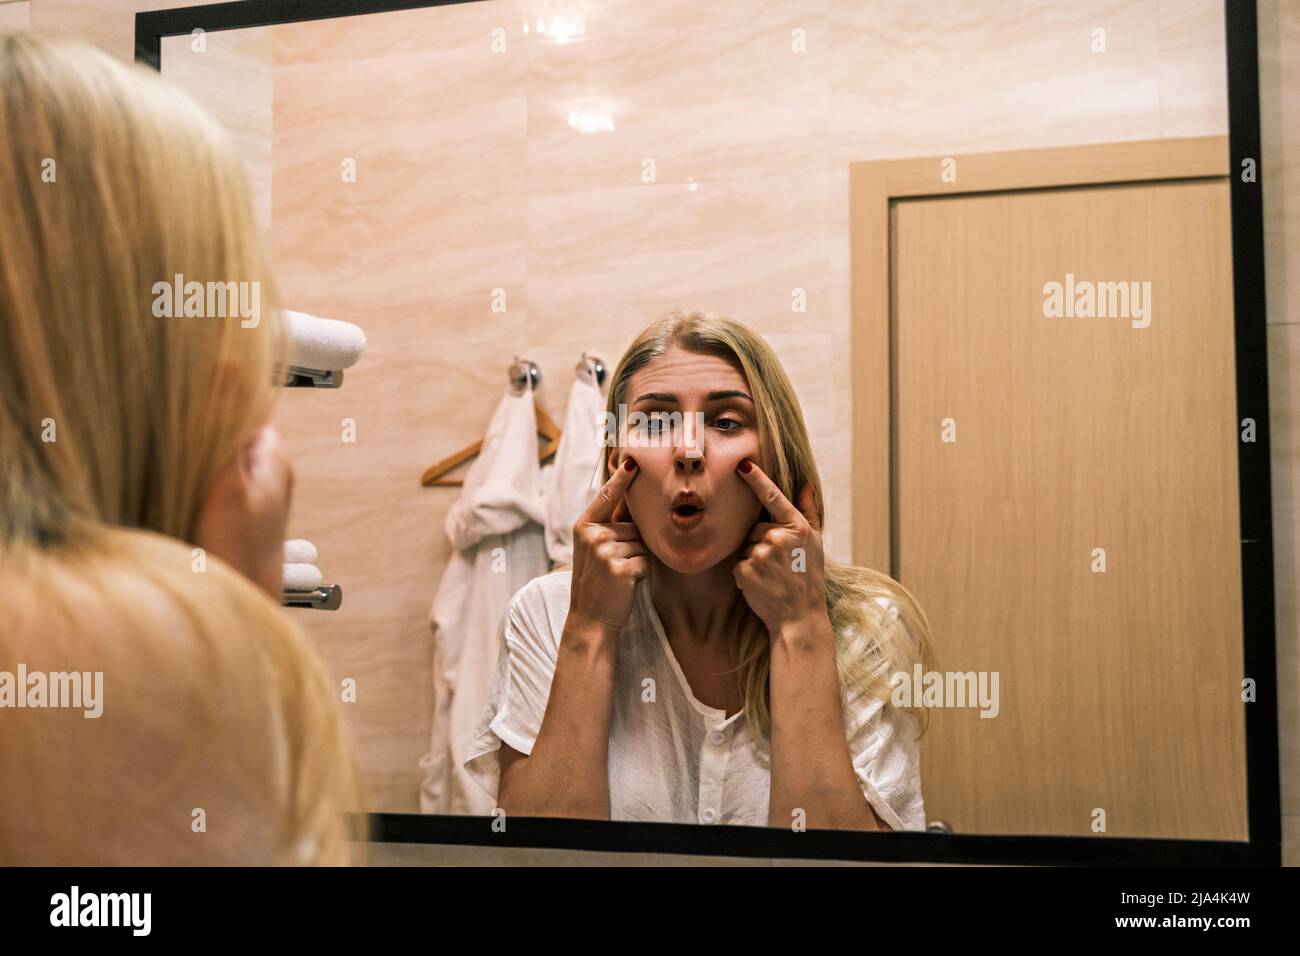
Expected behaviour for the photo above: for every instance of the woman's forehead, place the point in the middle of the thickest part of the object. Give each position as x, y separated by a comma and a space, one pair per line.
685, 374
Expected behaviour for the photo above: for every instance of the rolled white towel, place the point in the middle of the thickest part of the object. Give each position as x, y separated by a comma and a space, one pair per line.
322, 344
301, 577
299, 551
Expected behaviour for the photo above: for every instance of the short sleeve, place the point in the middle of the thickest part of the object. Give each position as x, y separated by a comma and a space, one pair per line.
521, 687
886, 753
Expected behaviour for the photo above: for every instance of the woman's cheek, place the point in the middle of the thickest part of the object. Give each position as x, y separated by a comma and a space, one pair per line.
732, 454
644, 495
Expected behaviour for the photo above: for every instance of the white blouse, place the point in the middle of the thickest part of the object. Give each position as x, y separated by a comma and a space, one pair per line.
673, 759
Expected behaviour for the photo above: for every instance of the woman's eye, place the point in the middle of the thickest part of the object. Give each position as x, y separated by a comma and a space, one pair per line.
655, 424
658, 423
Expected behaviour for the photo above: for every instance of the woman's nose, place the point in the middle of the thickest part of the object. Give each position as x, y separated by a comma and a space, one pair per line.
688, 456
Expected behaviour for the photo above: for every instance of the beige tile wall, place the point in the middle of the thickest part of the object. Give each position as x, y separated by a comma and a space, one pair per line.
1279, 91
15, 15
751, 142
229, 74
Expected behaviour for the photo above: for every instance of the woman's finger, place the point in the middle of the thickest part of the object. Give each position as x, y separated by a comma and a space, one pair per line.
596, 534
624, 530
757, 532
601, 509
777, 504
623, 549
265, 466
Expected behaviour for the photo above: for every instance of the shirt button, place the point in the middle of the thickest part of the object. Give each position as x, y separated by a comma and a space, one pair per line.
709, 815
718, 737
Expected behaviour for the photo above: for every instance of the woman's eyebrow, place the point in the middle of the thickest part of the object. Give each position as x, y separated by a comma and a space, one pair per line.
711, 397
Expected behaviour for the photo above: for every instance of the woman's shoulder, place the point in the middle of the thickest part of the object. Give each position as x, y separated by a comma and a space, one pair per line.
548, 591
881, 630
198, 670
872, 602
550, 585
538, 610
171, 625
129, 589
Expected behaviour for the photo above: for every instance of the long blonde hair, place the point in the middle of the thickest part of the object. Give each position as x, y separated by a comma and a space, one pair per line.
872, 643
114, 423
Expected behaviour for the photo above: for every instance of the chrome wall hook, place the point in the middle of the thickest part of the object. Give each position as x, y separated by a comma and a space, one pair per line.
524, 374
592, 367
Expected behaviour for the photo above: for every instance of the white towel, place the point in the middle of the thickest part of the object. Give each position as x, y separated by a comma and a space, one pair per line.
299, 551
301, 577
575, 477
322, 344
496, 528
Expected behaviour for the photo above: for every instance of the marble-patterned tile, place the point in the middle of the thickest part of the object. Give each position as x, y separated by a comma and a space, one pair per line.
1284, 400
702, 91
229, 74
107, 24
619, 258
1279, 108
16, 15
966, 77
434, 220
342, 42
378, 542
1193, 69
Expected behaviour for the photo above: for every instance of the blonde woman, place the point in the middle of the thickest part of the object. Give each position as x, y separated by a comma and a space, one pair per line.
703, 661
143, 497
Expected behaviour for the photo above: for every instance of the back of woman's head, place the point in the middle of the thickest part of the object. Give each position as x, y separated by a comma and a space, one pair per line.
220, 739
112, 182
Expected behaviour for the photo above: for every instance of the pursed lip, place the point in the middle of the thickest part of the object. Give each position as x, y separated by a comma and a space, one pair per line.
686, 503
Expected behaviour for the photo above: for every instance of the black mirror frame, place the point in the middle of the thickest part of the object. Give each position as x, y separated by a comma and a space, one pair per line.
1264, 846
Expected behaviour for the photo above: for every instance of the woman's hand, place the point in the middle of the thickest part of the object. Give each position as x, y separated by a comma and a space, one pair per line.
609, 556
246, 512
782, 572
567, 771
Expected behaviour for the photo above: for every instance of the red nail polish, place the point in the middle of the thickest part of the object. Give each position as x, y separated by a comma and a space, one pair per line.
744, 466
630, 464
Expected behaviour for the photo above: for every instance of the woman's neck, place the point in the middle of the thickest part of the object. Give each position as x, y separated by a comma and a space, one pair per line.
695, 607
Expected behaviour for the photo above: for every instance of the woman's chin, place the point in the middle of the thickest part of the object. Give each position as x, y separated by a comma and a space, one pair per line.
686, 559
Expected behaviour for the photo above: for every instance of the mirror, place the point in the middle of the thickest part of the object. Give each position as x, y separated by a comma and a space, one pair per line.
991, 250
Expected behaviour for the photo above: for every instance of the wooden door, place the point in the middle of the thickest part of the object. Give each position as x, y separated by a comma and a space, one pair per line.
1063, 500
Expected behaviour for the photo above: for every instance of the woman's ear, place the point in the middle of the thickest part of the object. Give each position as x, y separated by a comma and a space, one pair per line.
244, 515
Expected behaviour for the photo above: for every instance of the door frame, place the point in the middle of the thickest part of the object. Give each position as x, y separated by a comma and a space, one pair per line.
874, 189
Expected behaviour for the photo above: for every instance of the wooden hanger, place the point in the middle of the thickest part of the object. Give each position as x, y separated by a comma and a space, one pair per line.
546, 427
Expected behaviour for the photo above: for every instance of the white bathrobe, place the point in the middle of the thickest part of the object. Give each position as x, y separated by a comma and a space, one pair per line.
575, 477
496, 529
